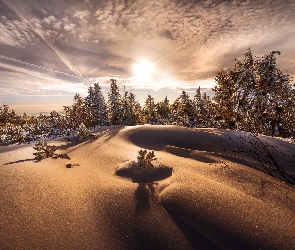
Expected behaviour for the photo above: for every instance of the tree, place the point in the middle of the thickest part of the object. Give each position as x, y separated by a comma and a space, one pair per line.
150, 111
131, 109
273, 97
79, 112
255, 96
114, 104
204, 110
96, 106
207, 112
184, 110
164, 111
76, 114
224, 92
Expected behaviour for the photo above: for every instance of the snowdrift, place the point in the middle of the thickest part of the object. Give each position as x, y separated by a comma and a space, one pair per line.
208, 191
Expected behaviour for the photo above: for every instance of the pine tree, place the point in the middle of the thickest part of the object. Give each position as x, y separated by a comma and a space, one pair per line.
114, 104
150, 115
135, 110
224, 92
164, 111
184, 110
96, 106
55, 122
273, 96
199, 119
126, 109
78, 113
131, 109
207, 112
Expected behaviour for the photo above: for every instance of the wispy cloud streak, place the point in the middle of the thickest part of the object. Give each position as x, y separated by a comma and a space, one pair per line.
178, 48
36, 66
39, 32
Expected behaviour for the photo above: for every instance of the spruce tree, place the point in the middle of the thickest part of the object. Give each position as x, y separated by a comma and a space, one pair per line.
126, 109
184, 110
150, 115
114, 104
8, 115
96, 106
199, 119
131, 109
224, 92
78, 112
164, 111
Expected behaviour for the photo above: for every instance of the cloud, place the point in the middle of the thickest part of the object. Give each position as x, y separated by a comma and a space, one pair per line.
57, 25
18, 81
49, 19
19, 10
15, 33
83, 16
69, 25
36, 66
188, 41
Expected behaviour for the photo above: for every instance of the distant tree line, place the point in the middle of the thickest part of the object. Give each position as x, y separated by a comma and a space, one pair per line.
254, 96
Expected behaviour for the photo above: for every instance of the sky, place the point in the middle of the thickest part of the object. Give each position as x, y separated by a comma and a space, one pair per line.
50, 50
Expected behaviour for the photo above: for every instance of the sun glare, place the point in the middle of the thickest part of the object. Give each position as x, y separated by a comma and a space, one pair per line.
143, 69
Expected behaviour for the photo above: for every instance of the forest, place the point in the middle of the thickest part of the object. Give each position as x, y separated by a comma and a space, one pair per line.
253, 96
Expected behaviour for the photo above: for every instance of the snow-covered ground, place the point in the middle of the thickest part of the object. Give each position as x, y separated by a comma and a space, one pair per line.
212, 191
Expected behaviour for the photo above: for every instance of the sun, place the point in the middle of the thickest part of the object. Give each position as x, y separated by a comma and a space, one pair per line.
143, 69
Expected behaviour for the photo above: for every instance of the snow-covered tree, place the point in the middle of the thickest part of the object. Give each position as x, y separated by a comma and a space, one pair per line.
184, 110
272, 97
135, 110
255, 96
96, 106
164, 111
207, 112
131, 109
43, 150
224, 92
79, 113
150, 111
203, 109
114, 104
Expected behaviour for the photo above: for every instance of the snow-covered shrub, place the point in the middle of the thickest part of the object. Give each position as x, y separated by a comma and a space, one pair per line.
43, 150
145, 158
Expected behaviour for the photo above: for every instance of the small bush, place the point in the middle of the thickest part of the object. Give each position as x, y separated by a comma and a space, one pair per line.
44, 150
145, 158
